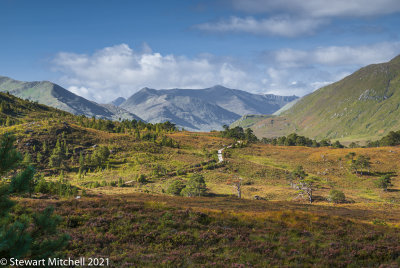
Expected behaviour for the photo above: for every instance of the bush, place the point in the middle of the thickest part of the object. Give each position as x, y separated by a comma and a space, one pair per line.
196, 186
336, 196
176, 187
384, 182
141, 178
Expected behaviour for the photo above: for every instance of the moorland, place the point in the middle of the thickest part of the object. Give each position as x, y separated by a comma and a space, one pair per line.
146, 194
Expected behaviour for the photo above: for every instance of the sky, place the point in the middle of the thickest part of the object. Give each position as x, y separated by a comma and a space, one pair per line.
103, 49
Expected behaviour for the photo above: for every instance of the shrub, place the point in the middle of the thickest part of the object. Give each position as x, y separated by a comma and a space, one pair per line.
176, 187
336, 196
384, 182
196, 186
141, 178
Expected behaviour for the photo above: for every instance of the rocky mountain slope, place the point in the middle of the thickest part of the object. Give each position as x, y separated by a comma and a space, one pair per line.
201, 109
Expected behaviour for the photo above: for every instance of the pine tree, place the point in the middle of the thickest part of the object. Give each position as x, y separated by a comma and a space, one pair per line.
40, 240
27, 159
8, 121
39, 157
57, 156
44, 147
196, 186
81, 160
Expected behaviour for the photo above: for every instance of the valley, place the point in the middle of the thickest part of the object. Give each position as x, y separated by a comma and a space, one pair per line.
228, 133
127, 209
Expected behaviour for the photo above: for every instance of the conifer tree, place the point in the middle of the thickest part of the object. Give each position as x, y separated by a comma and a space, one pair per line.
40, 240
39, 157
44, 147
81, 160
196, 186
57, 156
27, 159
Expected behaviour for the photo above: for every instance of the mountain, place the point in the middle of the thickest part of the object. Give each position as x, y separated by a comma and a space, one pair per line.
55, 96
118, 101
201, 109
364, 105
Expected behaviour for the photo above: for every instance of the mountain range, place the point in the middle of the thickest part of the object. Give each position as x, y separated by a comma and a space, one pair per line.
201, 109
364, 105
192, 109
53, 95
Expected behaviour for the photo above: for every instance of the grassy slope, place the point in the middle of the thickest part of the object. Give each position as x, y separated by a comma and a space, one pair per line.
248, 120
364, 105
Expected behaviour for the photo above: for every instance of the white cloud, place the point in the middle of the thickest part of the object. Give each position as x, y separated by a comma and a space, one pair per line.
300, 72
281, 26
338, 55
320, 8
119, 71
296, 17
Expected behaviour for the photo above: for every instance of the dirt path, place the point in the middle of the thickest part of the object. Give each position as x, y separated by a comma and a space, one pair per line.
220, 157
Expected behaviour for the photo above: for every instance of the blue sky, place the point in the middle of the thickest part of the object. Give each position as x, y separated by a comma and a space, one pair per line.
102, 49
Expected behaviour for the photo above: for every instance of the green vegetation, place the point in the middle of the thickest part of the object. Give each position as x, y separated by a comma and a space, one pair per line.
391, 139
23, 234
336, 196
128, 193
196, 186
384, 182
296, 140
176, 187
238, 133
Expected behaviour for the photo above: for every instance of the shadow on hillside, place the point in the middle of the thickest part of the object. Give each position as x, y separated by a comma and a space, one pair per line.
218, 195
379, 174
393, 190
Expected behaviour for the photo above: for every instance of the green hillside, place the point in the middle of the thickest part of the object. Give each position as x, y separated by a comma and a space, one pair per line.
248, 120
364, 105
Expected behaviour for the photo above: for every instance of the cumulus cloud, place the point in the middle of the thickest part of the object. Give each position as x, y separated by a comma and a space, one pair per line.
120, 71
320, 8
281, 26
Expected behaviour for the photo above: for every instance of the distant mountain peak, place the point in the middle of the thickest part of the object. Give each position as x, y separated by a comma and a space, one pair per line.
200, 109
219, 86
118, 101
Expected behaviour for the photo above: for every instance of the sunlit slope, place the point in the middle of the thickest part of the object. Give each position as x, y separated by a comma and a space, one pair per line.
364, 105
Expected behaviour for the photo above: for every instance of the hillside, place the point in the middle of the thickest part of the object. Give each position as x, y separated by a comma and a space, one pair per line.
201, 109
127, 212
55, 96
362, 106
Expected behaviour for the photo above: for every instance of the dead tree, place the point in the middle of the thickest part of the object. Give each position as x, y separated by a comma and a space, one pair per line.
237, 184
